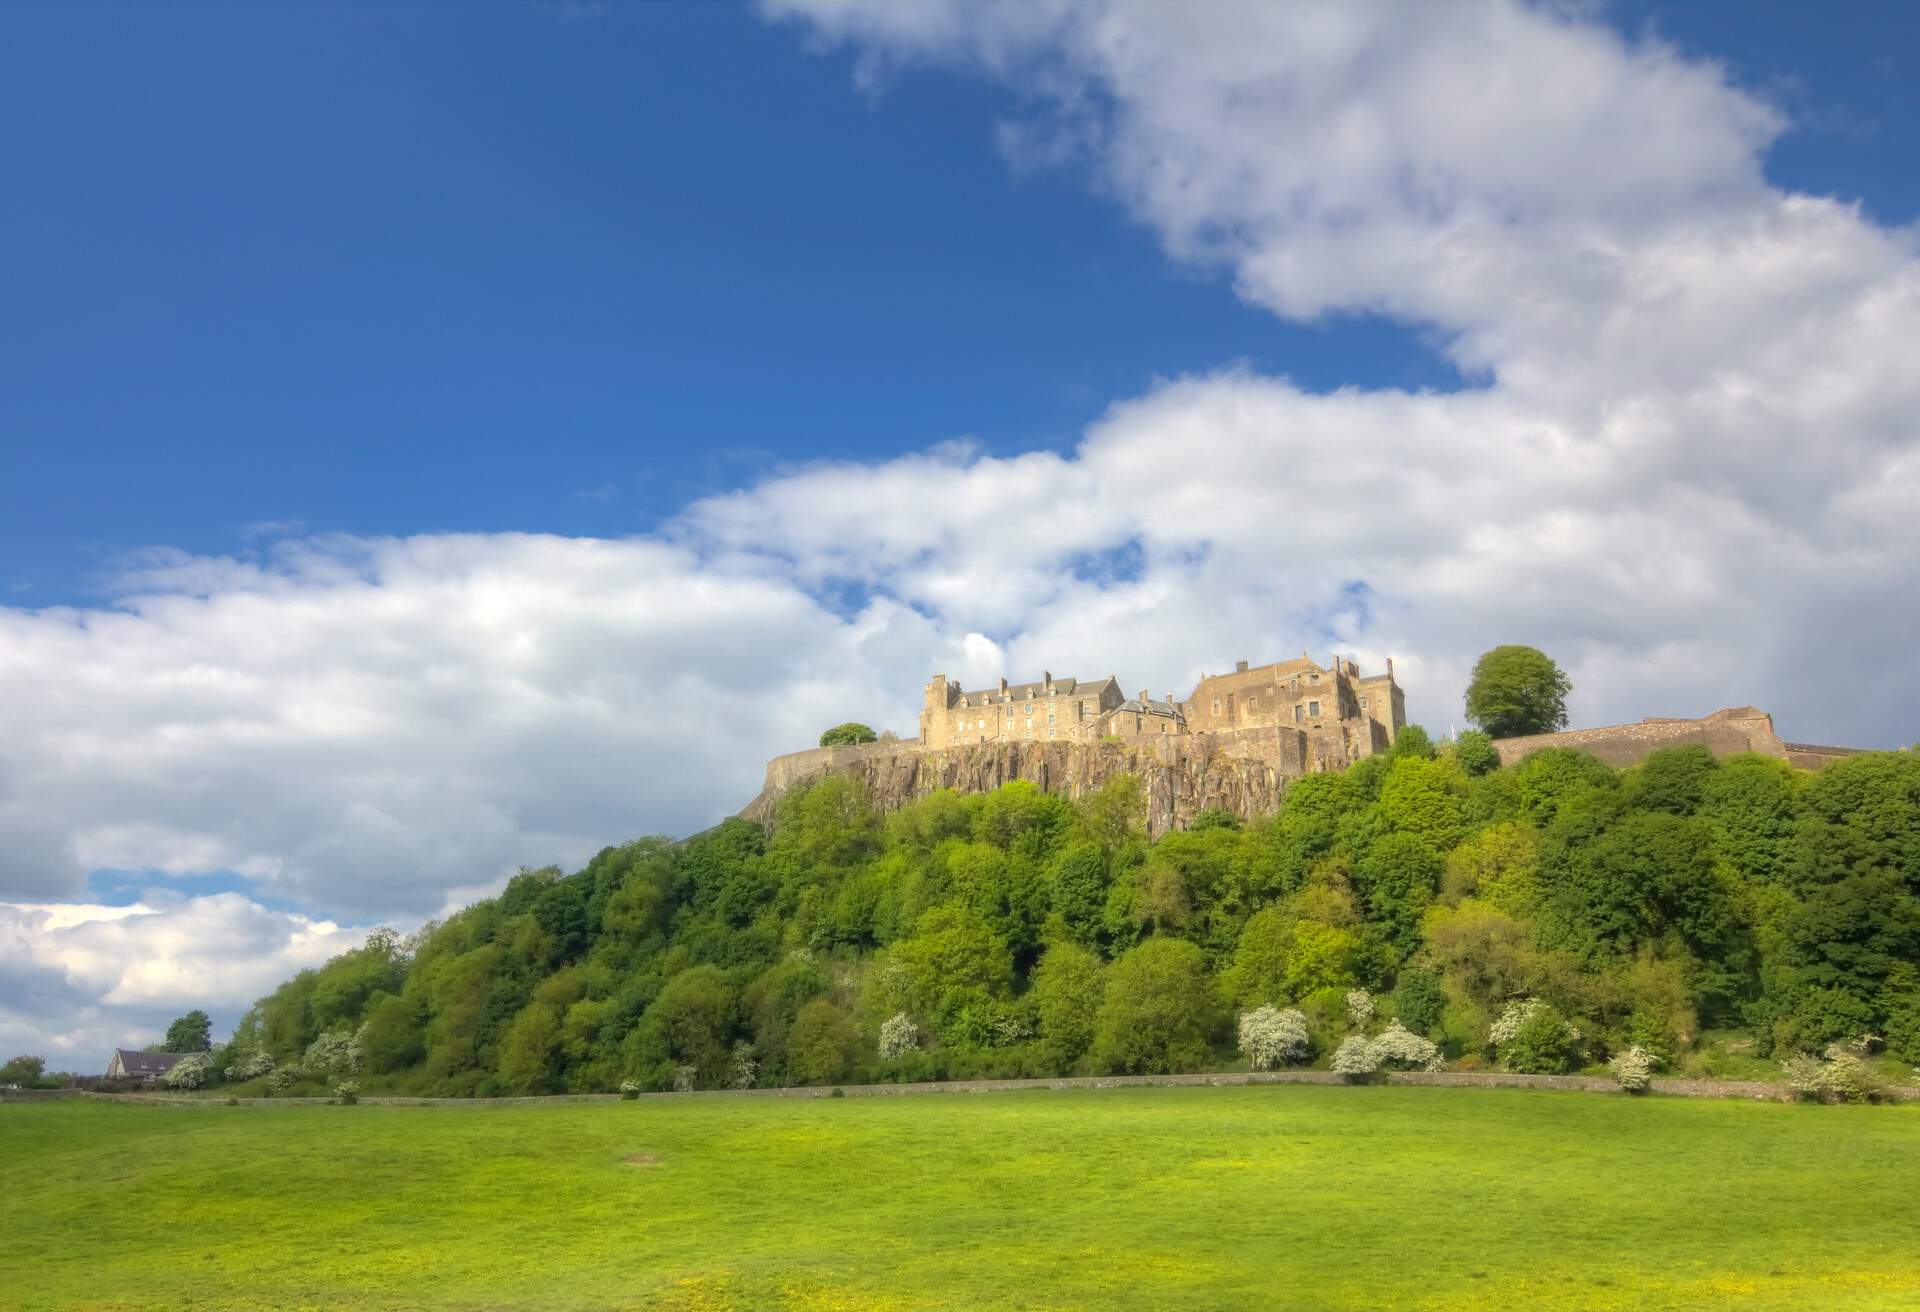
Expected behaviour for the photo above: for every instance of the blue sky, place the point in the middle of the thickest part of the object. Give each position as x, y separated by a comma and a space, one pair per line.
436, 439
388, 269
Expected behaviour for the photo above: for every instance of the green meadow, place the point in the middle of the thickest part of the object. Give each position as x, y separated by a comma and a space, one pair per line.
1274, 1197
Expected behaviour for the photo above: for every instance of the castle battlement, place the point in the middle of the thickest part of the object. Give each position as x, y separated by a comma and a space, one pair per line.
1334, 713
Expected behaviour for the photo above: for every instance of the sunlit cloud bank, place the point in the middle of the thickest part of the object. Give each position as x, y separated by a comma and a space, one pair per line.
1687, 468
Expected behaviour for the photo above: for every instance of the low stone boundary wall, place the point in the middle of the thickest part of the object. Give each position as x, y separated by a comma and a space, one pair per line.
1752, 1089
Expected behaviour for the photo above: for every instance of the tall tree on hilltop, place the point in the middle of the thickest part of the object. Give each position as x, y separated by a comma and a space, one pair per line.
1518, 690
847, 735
193, 1032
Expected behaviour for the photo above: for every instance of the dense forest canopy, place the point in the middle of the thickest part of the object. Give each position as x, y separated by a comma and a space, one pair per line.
1540, 916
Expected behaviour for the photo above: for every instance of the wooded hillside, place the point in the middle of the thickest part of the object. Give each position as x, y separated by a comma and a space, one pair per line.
1013, 933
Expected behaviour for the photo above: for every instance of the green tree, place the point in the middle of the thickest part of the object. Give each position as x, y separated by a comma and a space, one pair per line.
954, 960
846, 735
1067, 988
1160, 1011
1517, 690
1418, 1000
1475, 752
1111, 814
1425, 798
1079, 892
1752, 804
820, 1049
690, 1024
192, 1032
528, 1051
391, 1035
1498, 864
1397, 879
1673, 779
1412, 740
25, 1070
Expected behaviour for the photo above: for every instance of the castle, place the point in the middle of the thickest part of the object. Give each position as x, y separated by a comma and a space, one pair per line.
1313, 716
1234, 743
1231, 744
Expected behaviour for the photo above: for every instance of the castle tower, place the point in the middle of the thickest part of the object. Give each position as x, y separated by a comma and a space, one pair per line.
940, 695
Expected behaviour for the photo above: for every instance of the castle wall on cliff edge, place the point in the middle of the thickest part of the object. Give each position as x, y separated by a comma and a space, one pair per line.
1180, 776
1242, 771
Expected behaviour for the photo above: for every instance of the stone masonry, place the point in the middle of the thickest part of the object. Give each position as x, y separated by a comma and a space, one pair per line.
1234, 743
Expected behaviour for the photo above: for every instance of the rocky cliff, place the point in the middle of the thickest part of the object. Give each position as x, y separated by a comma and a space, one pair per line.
1179, 777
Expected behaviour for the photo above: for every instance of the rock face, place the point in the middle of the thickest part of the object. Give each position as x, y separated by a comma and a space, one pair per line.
1179, 776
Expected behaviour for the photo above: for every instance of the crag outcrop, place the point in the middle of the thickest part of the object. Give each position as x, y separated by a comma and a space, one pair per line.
1179, 776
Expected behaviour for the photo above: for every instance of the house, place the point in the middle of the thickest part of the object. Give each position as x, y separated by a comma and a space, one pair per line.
146, 1067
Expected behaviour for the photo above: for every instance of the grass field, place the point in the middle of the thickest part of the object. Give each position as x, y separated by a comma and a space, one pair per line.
1289, 1197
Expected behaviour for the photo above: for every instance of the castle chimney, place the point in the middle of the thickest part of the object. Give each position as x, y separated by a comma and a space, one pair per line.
1389, 669
1143, 696
1239, 667
1003, 687
1046, 677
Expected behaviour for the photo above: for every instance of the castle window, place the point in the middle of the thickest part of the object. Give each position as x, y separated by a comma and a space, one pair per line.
1216, 706
1299, 713
1049, 733
1313, 709
1252, 702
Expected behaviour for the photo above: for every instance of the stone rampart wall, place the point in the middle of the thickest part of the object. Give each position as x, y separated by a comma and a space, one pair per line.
1724, 734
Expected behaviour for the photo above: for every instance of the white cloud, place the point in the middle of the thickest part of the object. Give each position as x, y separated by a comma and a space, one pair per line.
361, 725
1690, 474
80, 979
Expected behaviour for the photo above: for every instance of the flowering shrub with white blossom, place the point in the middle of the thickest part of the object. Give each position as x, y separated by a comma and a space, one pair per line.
280, 1081
1398, 1048
629, 1090
190, 1072
1515, 1015
745, 1070
1271, 1037
898, 1036
249, 1065
1633, 1069
1355, 1056
1532, 1038
335, 1053
347, 1092
1360, 1008
1845, 1076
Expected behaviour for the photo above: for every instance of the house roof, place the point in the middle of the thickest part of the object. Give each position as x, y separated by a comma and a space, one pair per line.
147, 1063
1138, 707
1036, 690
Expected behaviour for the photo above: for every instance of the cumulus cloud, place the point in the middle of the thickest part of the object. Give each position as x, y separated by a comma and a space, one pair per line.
1687, 467
1689, 471
77, 979
360, 725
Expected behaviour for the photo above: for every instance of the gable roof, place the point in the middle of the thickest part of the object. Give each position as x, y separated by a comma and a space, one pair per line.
1138, 707
147, 1063
1035, 690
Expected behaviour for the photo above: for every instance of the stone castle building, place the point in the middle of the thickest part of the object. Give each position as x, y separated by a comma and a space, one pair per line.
1234, 743
1328, 715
